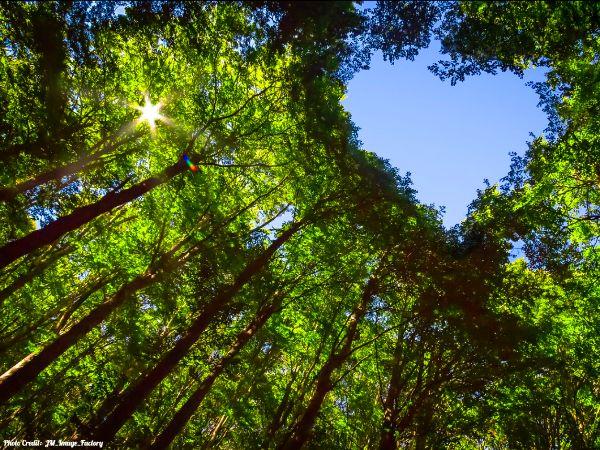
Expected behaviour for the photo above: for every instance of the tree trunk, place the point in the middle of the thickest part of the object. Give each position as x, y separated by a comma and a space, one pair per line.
183, 415
19, 335
304, 386
424, 424
135, 395
303, 427
278, 418
82, 215
390, 408
215, 432
66, 170
14, 379
33, 272
79, 300
76, 300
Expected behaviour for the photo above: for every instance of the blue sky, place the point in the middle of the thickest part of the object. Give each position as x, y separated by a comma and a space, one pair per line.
449, 137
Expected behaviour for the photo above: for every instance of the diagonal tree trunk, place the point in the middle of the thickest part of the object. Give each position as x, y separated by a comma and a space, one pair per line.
82, 215
135, 395
66, 170
33, 271
301, 431
278, 417
79, 300
14, 379
24, 332
305, 385
184, 414
106, 146
38, 265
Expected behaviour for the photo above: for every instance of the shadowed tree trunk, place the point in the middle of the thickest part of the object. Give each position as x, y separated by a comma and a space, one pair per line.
135, 395
63, 320
14, 379
390, 409
305, 385
183, 415
424, 425
278, 417
210, 443
23, 333
301, 431
418, 403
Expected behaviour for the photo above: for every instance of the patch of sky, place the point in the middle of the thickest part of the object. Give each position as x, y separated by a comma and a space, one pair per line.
147, 304
450, 138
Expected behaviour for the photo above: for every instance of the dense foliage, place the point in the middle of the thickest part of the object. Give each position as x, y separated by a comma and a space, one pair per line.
230, 269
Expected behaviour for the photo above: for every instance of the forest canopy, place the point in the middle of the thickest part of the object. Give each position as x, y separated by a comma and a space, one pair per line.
196, 251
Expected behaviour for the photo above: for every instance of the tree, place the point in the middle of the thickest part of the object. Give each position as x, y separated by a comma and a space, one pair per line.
237, 272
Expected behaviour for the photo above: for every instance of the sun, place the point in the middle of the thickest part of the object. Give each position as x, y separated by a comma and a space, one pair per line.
150, 113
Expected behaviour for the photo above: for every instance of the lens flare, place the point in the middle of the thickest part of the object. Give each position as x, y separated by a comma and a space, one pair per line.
190, 164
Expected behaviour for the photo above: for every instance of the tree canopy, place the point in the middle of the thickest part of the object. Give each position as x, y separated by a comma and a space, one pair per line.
197, 252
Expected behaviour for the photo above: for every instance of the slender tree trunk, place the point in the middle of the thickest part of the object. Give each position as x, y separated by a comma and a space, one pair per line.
183, 415
9, 418
66, 170
22, 333
135, 395
424, 424
14, 379
107, 403
302, 429
10, 339
422, 395
78, 301
390, 408
33, 272
75, 300
304, 386
38, 266
278, 417
82, 215
215, 432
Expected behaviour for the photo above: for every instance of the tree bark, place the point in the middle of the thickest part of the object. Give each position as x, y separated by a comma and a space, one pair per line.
183, 415
82, 215
302, 429
390, 409
278, 417
33, 272
66, 170
215, 432
424, 424
135, 395
14, 379
76, 300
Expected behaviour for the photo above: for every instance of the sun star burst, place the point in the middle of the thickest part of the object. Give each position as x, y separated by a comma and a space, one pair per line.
150, 113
